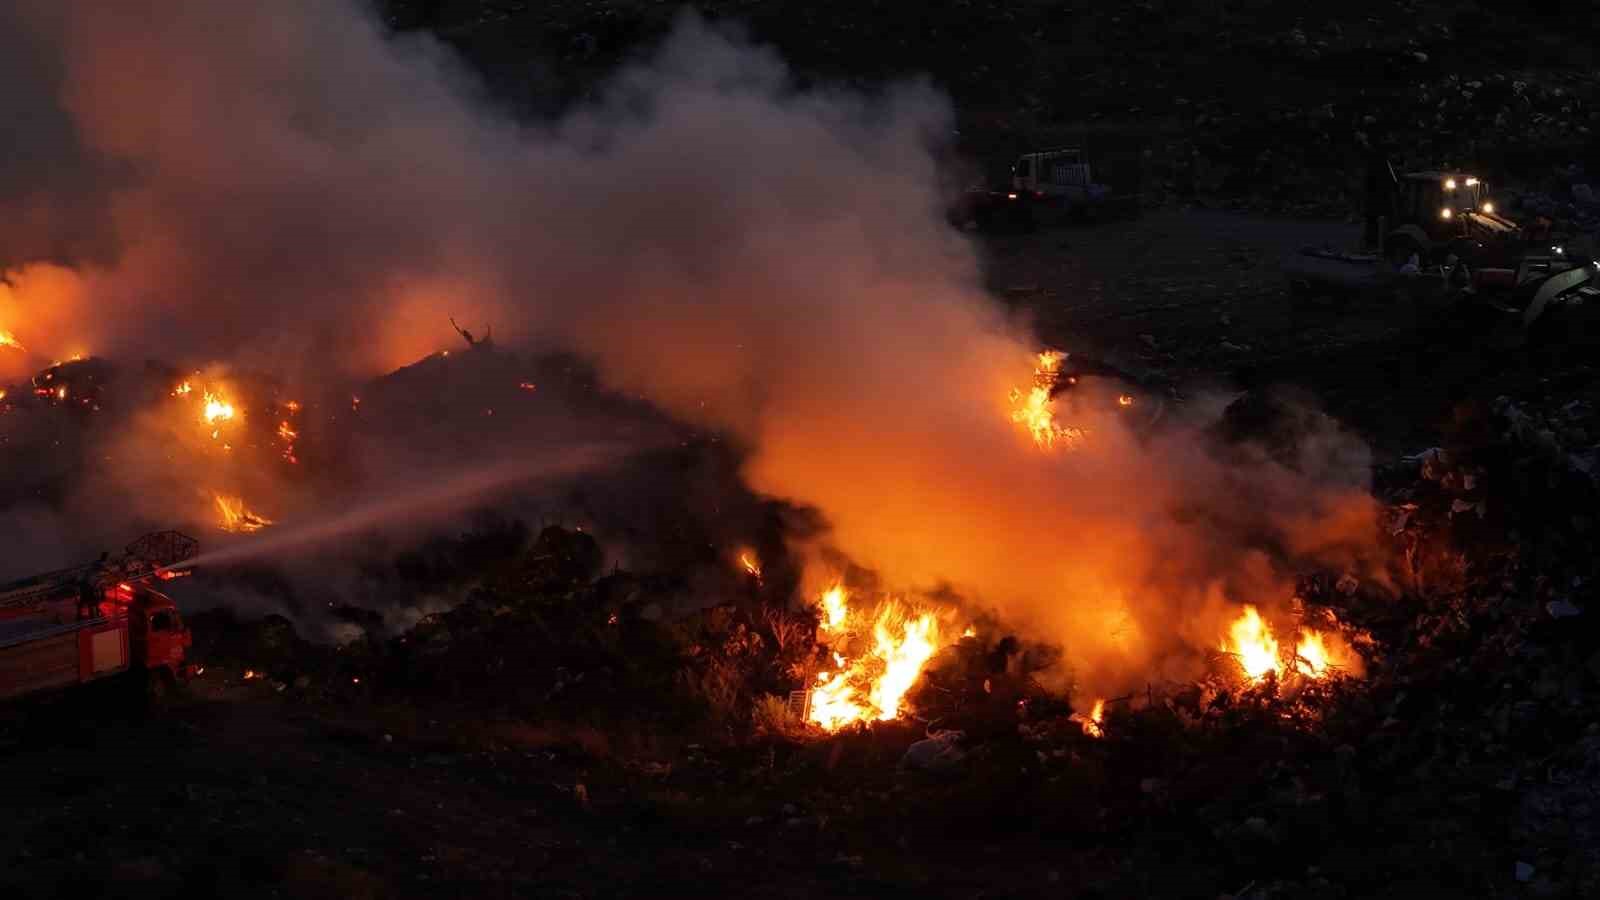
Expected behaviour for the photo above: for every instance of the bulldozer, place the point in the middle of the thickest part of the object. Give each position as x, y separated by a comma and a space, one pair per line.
1438, 237
1435, 215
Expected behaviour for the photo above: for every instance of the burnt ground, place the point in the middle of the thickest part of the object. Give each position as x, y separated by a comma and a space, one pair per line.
307, 782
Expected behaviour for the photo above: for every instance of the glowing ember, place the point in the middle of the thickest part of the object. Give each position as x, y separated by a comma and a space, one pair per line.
183, 390
1252, 643
7, 339
1035, 410
286, 432
751, 565
236, 518
1092, 722
872, 687
1124, 400
251, 674
970, 632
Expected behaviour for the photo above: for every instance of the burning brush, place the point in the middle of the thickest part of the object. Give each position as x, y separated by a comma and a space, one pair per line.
871, 685
236, 518
1314, 655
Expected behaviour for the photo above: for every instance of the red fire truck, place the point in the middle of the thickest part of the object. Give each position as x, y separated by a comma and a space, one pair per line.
91, 622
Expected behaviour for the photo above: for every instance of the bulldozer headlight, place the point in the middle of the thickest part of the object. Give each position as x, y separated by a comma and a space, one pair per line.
1449, 184
1488, 207
1445, 213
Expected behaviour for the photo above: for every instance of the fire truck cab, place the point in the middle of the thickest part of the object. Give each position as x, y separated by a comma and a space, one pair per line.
72, 627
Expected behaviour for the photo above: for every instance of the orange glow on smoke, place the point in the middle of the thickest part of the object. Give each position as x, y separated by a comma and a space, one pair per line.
872, 686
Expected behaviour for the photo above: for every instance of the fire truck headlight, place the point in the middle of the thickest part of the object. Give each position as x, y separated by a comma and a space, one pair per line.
1449, 184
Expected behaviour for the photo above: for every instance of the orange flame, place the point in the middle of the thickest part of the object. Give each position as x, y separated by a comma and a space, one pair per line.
834, 609
1317, 654
873, 686
751, 564
1034, 409
182, 390
216, 410
1092, 722
236, 517
7, 339
1251, 642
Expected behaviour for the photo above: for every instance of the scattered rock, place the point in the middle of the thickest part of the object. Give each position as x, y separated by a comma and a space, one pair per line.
939, 753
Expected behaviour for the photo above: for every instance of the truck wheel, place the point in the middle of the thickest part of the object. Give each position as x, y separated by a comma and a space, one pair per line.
1400, 250
160, 689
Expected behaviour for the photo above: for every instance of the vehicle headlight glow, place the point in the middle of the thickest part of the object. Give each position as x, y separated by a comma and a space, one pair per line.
1449, 184
1488, 207
1445, 213
1471, 182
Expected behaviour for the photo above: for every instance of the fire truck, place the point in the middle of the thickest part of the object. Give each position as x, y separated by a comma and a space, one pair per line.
93, 622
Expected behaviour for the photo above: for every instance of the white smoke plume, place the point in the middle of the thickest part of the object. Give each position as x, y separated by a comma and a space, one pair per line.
288, 187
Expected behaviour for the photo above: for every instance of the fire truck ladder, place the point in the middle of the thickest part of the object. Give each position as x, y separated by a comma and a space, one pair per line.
146, 558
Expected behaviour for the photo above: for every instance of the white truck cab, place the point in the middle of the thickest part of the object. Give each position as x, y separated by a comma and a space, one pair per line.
1059, 177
